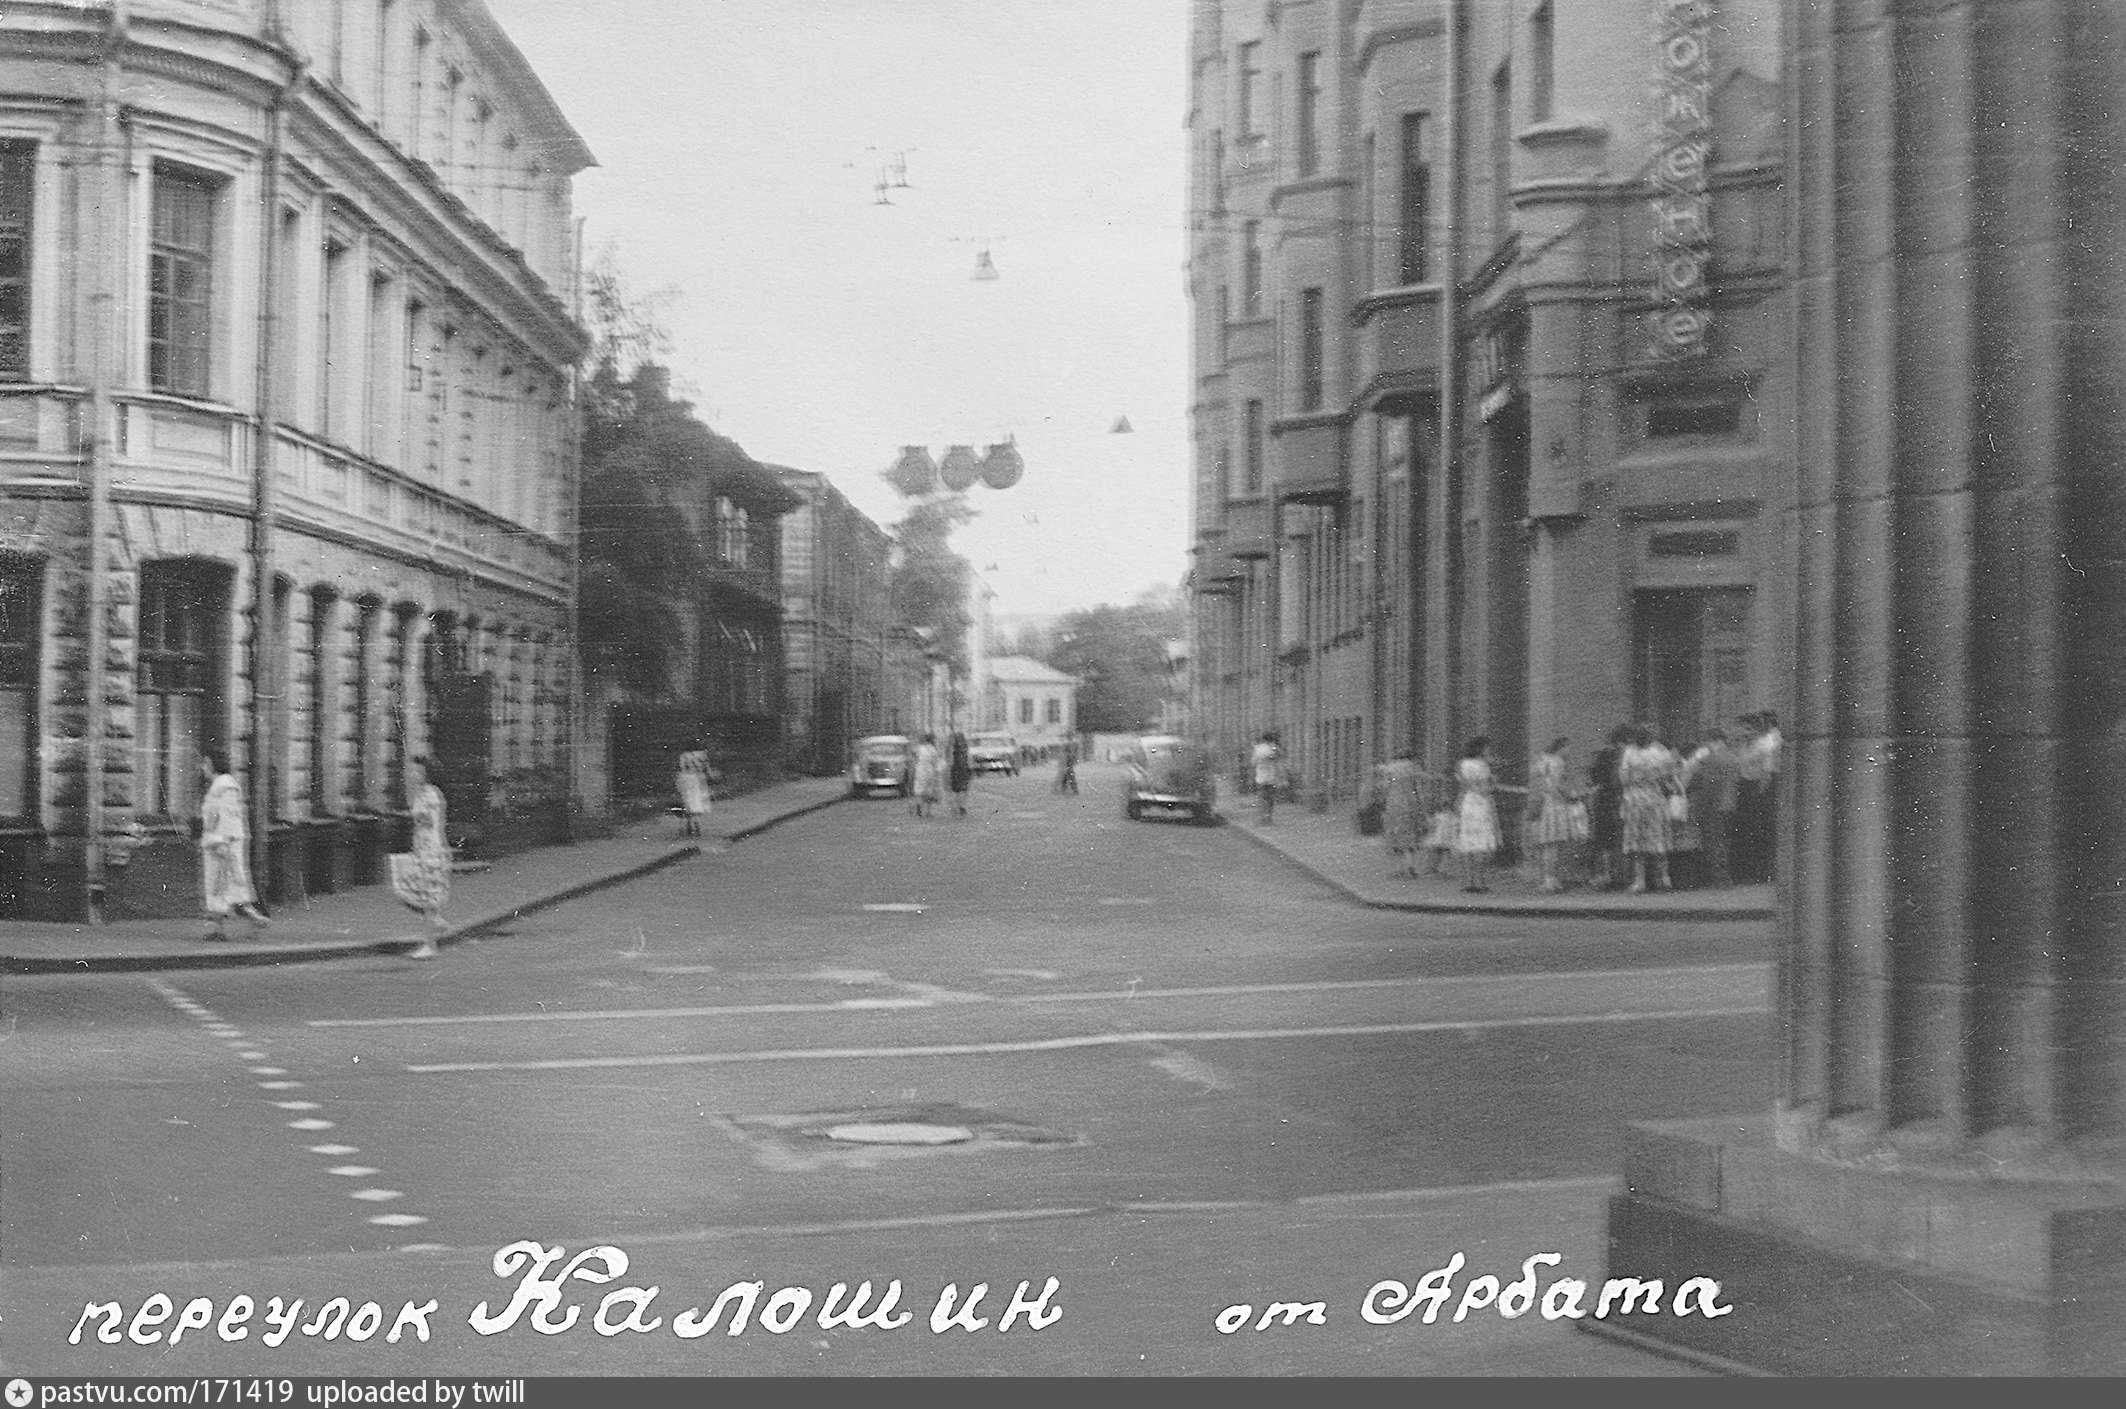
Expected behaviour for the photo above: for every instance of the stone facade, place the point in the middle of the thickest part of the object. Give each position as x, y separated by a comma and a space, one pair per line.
1449, 479
361, 406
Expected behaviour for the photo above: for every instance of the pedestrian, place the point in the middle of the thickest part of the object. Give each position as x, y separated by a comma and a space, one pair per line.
1760, 765
1647, 772
1067, 767
695, 775
420, 877
1550, 811
225, 870
960, 776
1476, 834
1605, 820
1268, 763
1400, 814
929, 776
1710, 778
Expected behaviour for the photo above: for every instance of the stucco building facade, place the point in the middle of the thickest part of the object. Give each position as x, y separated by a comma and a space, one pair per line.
1488, 304
285, 396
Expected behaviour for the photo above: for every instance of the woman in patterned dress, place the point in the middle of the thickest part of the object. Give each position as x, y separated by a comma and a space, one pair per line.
1549, 811
1477, 833
420, 878
225, 872
1648, 774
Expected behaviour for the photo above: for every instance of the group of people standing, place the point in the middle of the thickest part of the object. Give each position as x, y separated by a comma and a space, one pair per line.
1652, 818
935, 773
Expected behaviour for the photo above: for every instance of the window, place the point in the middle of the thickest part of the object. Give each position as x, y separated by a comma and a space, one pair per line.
1416, 215
367, 612
329, 296
1251, 269
1311, 351
178, 680
1251, 451
1055, 711
1250, 70
1026, 709
180, 283
17, 196
732, 533
21, 628
1225, 318
1501, 152
1542, 62
1309, 114
324, 698
1694, 415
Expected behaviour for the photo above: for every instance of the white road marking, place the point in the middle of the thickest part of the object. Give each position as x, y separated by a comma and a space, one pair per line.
299, 1105
269, 1071
1058, 1044
885, 1003
252, 1056
1519, 982
899, 908
1042, 974
309, 1123
679, 969
352, 1171
334, 1150
376, 1196
399, 1220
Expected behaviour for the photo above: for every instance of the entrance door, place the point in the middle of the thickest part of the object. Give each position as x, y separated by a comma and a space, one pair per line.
1692, 654
458, 737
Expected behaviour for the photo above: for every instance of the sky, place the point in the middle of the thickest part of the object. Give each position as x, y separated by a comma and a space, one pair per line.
739, 145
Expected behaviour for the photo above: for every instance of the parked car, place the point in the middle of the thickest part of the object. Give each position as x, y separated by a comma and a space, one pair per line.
884, 763
993, 753
1169, 773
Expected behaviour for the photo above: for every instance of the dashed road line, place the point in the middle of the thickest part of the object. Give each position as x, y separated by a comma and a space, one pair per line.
248, 1049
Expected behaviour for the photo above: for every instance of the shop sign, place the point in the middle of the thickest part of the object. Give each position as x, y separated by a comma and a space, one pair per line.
1682, 212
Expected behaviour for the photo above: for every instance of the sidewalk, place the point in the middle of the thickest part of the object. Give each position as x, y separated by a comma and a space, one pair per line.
1327, 846
369, 921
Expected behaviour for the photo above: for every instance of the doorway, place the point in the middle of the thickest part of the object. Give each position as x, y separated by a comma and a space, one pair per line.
1691, 653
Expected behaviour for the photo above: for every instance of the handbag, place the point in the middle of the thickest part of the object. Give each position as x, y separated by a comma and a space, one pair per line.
1678, 808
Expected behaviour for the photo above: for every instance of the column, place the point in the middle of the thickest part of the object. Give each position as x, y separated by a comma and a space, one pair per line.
1939, 1187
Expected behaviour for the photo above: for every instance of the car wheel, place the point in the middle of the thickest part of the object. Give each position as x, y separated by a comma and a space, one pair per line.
1133, 810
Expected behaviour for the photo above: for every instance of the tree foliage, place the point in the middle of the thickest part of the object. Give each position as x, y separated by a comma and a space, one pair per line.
930, 581
1119, 654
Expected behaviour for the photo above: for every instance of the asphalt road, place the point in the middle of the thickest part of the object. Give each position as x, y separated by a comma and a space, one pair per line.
1190, 1077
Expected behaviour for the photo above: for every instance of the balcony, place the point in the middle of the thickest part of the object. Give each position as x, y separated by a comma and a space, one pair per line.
1247, 529
1401, 328
1307, 462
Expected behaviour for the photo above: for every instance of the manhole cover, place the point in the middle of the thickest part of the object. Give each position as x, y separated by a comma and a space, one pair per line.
899, 1133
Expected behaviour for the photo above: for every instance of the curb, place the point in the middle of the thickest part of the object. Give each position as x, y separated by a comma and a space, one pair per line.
253, 957
1540, 910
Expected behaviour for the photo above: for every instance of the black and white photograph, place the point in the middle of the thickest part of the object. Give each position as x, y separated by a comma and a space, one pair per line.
1058, 688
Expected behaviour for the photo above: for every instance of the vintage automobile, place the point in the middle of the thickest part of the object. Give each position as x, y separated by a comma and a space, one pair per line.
993, 753
885, 763
1169, 773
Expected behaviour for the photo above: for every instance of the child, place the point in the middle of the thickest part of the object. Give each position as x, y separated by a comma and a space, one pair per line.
1446, 826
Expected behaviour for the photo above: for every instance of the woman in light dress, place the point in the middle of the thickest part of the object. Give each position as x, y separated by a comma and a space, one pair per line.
1477, 831
695, 776
1648, 772
225, 872
929, 776
420, 878
1401, 815
1550, 811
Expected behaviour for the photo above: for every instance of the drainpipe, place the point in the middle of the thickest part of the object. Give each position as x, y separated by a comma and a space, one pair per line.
1449, 520
267, 669
105, 260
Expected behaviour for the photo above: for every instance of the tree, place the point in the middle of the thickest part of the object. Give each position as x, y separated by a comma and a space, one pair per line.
930, 581
1119, 655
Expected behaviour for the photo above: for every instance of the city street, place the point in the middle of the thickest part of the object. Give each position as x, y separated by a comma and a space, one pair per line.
1175, 1074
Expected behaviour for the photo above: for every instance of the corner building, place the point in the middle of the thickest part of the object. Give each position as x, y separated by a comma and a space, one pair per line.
1489, 308
287, 436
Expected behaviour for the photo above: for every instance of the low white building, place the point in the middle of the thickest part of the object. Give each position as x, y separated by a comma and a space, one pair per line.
1037, 703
